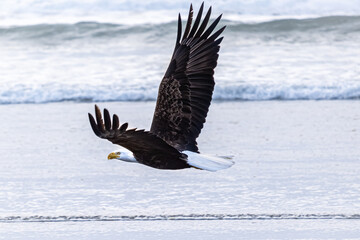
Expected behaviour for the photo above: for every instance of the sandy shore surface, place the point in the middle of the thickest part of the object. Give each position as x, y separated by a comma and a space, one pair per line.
296, 157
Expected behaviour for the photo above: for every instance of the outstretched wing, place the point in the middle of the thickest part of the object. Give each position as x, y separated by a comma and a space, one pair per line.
186, 90
144, 145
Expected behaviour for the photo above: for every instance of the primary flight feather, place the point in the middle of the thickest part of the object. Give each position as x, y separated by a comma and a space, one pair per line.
184, 97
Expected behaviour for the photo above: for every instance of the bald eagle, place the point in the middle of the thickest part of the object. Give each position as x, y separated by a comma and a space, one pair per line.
183, 102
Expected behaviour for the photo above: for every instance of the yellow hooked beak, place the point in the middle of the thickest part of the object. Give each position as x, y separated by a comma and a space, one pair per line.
113, 156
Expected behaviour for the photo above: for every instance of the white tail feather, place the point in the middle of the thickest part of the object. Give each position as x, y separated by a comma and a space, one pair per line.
206, 162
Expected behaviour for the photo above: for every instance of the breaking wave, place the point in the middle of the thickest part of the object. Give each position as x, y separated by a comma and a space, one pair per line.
84, 30
90, 93
27, 49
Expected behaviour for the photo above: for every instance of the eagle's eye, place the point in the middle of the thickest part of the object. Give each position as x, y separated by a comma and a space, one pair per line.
118, 153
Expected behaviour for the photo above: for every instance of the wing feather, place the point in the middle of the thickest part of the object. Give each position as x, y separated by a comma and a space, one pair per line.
123, 127
107, 120
148, 148
186, 90
116, 122
197, 21
188, 24
203, 24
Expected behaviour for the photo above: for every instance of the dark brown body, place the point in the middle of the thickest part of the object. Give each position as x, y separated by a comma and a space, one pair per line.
162, 161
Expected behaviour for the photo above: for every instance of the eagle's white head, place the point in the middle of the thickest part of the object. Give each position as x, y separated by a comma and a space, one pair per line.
123, 155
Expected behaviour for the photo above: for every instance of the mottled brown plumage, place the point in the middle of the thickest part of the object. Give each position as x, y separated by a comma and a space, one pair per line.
183, 100
191, 69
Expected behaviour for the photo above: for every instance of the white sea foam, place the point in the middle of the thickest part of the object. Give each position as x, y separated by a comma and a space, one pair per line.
85, 93
287, 92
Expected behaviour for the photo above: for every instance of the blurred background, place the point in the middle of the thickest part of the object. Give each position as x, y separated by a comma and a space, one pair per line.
118, 50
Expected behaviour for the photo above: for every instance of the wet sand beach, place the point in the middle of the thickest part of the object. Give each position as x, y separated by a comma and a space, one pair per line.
296, 173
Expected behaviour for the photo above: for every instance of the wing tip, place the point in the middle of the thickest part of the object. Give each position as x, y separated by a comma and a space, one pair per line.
107, 119
96, 108
93, 125
124, 127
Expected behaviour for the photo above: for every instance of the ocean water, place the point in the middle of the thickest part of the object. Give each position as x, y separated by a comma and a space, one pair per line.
301, 52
